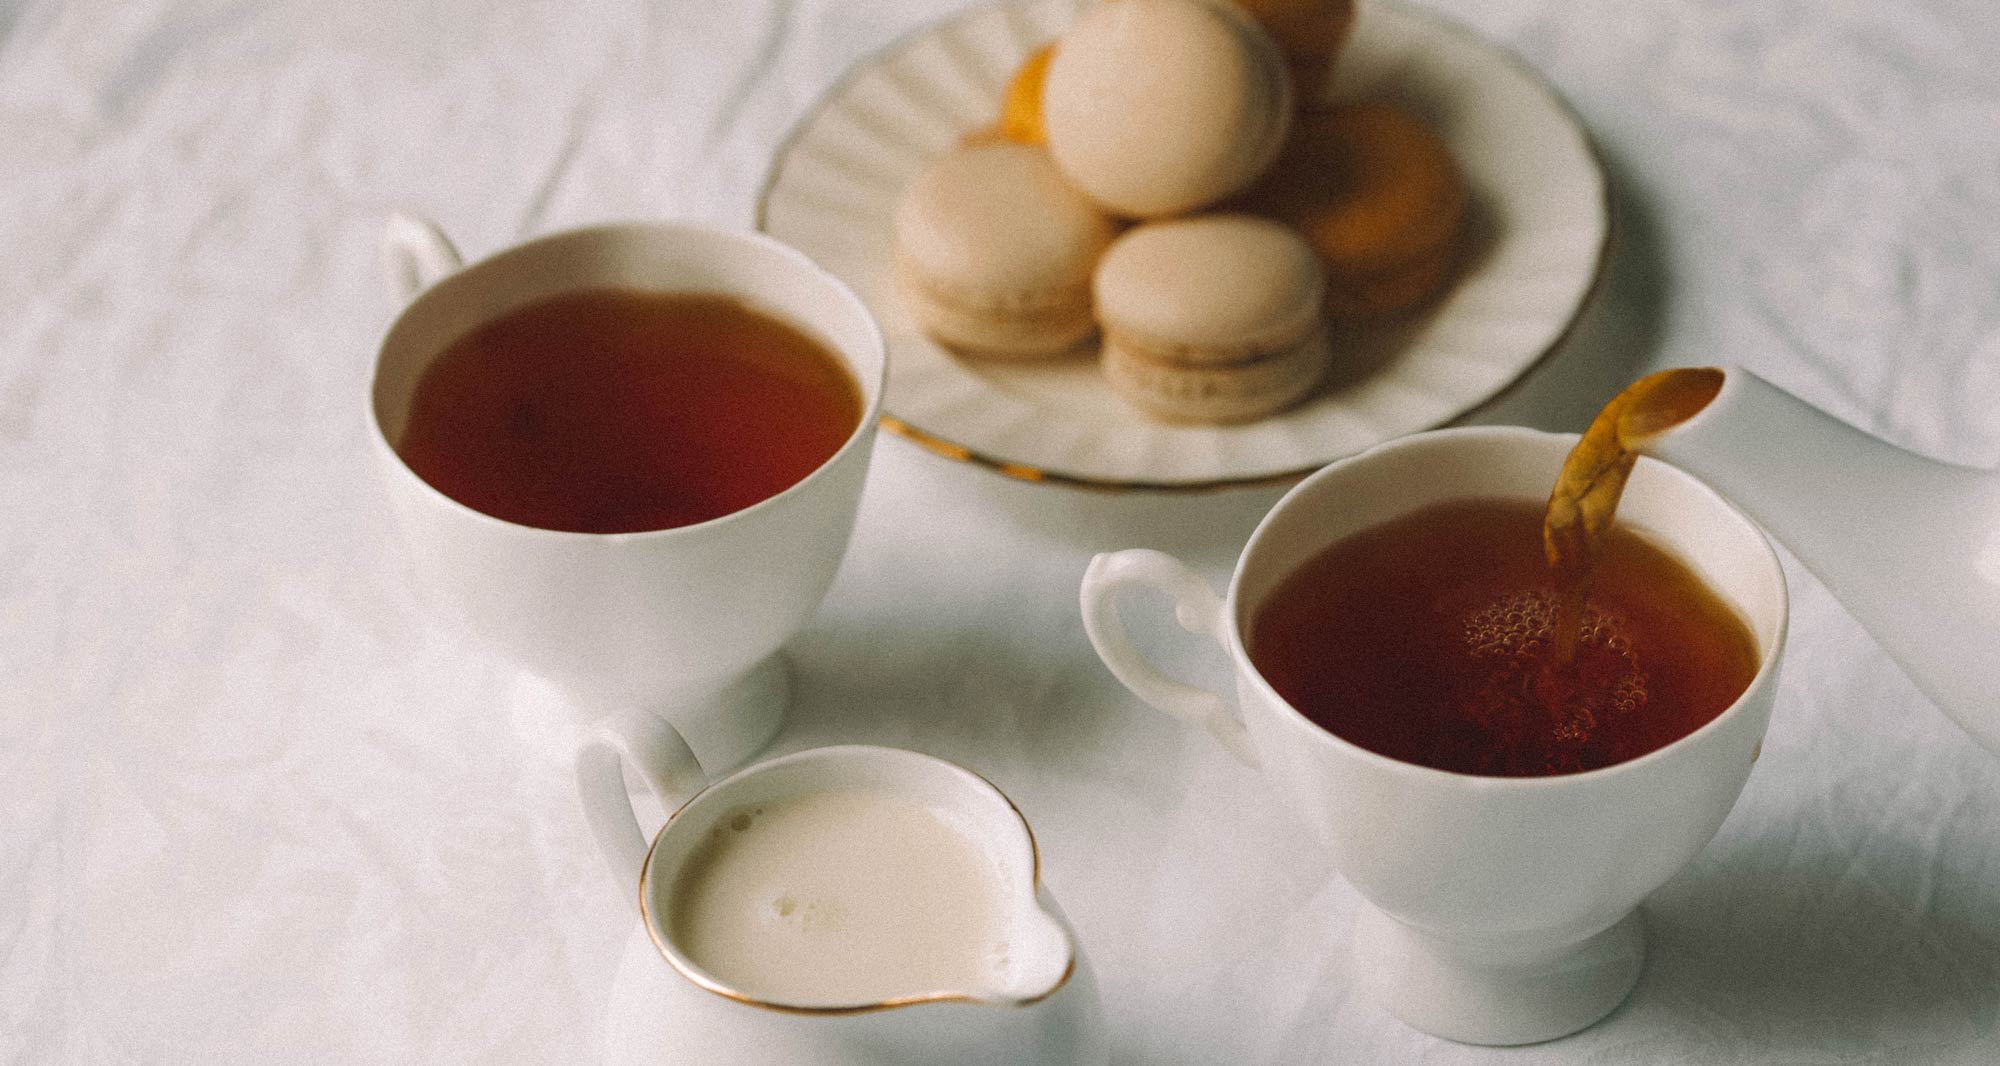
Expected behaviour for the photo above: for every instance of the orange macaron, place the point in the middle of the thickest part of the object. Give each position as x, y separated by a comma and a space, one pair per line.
1378, 195
1021, 104
1310, 33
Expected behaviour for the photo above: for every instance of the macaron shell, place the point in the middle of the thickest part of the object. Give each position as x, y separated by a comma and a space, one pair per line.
1159, 107
1210, 394
1370, 186
1396, 292
998, 221
1209, 290
994, 251
1022, 332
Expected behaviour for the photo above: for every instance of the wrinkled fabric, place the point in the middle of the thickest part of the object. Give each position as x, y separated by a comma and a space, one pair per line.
256, 805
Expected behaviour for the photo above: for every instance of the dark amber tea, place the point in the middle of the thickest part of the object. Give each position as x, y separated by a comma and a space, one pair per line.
1431, 639
618, 411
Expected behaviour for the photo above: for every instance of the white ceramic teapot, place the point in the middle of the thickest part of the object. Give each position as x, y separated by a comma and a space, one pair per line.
1911, 546
1040, 1006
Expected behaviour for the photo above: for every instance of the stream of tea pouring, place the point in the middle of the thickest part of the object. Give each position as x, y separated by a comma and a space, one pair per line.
1909, 545
1585, 497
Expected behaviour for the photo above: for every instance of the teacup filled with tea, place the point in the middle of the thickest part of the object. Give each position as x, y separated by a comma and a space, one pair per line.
1509, 717
629, 456
625, 410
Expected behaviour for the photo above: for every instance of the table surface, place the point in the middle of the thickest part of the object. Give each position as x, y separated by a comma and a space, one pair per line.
260, 807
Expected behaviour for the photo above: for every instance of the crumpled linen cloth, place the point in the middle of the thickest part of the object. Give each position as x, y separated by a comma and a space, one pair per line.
257, 806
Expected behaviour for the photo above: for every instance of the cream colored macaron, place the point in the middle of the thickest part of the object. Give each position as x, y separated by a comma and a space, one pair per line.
1160, 107
1212, 318
994, 252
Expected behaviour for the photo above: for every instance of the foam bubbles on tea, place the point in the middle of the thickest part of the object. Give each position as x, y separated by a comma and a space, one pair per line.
1430, 639
1494, 637
1517, 692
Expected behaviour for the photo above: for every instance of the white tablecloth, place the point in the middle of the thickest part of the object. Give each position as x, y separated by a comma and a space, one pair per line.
256, 806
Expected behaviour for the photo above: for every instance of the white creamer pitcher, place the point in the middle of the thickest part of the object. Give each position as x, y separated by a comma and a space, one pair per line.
1041, 1007
1909, 545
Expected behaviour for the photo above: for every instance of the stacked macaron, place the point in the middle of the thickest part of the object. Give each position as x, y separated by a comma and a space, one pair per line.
1153, 112
1161, 107
1211, 318
995, 249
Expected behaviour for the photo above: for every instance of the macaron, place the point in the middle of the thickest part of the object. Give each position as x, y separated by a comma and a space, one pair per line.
1160, 107
1021, 104
1378, 195
994, 252
1212, 318
1310, 33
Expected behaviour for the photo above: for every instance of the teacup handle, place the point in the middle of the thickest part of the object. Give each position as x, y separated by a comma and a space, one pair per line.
653, 748
1196, 607
415, 255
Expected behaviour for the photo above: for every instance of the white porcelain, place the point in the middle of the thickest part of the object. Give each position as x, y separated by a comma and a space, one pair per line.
1498, 910
669, 1010
1539, 233
1910, 546
686, 622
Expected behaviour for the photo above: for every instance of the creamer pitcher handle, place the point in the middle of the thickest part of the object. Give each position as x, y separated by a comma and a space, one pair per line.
653, 748
1196, 607
415, 256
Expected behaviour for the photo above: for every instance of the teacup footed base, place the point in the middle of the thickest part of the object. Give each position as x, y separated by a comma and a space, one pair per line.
1450, 992
727, 728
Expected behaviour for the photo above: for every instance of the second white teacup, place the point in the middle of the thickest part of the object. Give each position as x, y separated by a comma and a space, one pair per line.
685, 622
1499, 910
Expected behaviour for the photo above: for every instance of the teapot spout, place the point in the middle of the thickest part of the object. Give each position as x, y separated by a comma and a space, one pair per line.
1907, 544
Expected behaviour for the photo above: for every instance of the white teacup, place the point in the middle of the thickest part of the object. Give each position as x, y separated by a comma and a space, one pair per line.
1040, 1008
686, 622
1498, 910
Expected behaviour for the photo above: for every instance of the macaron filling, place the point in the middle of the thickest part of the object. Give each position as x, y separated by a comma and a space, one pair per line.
1212, 290
1044, 322
1237, 392
1214, 318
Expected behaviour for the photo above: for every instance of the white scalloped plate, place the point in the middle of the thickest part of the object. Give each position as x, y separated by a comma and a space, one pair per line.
1539, 234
